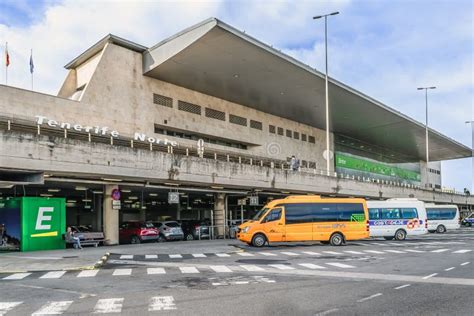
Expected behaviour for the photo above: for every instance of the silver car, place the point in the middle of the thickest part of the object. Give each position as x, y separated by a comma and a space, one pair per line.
169, 230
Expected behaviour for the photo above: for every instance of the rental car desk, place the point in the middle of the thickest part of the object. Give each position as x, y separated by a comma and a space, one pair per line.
32, 223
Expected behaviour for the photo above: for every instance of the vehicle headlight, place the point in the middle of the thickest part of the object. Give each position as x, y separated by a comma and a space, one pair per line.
246, 229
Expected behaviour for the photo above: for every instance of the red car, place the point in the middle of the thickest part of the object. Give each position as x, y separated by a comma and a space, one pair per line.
137, 232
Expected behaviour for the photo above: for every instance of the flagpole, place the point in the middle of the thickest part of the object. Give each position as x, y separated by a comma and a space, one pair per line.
6, 63
31, 58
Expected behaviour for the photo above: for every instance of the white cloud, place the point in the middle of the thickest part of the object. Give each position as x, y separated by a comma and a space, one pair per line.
383, 48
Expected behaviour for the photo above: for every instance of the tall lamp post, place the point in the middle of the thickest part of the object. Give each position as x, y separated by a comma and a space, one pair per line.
472, 151
426, 129
325, 16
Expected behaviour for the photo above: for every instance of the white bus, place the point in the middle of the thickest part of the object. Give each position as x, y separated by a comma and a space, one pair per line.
397, 218
442, 217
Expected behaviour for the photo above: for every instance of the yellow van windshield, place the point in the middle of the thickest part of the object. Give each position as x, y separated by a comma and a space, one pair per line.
260, 214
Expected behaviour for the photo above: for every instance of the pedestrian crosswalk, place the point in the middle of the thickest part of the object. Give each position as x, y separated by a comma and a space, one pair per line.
187, 269
294, 253
101, 306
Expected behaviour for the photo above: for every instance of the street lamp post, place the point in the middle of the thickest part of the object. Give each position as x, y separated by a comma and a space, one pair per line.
426, 129
472, 151
325, 16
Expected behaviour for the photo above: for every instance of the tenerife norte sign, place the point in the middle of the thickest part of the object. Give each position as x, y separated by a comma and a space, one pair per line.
100, 130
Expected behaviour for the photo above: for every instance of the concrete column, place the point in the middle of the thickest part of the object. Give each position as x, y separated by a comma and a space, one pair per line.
97, 222
111, 217
219, 214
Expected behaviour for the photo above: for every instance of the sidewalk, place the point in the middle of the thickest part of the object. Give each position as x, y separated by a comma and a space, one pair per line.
87, 258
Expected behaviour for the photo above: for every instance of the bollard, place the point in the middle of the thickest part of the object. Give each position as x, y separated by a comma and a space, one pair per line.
187, 151
65, 133
9, 125
131, 143
39, 129
228, 158
111, 140
151, 146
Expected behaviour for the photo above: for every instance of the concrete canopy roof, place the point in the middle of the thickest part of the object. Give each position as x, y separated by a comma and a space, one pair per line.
216, 59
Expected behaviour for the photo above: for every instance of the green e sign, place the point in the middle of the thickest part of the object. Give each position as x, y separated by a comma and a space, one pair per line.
43, 222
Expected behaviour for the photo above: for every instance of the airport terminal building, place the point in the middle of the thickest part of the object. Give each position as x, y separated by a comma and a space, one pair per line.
201, 123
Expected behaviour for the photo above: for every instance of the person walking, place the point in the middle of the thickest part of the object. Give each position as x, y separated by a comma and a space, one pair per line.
70, 237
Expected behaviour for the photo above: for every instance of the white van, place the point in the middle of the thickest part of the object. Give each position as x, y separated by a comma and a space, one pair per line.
442, 217
397, 218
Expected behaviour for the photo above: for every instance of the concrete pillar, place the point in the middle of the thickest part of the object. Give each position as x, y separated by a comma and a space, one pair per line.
97, 221
111, 217
219, 214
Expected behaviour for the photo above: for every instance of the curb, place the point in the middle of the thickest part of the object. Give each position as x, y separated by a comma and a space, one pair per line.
97, 265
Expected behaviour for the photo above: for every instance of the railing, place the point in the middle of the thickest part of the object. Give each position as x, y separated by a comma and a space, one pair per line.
18, 124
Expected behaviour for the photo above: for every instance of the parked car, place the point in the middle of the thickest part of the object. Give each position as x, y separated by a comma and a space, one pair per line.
169, 230
137, 232
195, 229
468, 221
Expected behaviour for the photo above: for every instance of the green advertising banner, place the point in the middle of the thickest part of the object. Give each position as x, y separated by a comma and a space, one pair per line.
43, 222
350, 162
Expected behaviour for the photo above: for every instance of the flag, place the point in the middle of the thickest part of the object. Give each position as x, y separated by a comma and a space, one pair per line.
7, 56
32, 66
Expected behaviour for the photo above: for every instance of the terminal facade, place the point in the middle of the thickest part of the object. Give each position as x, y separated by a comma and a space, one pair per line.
189, 128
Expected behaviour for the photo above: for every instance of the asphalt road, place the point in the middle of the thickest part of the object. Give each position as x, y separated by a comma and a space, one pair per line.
429, 275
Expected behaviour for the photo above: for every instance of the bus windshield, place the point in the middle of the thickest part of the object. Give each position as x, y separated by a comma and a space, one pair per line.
260, 214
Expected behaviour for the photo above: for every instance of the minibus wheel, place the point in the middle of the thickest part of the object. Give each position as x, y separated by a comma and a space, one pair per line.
259, 240
336, 239
441, 229
400, 234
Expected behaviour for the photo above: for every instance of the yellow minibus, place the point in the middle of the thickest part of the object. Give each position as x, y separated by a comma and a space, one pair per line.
307, 218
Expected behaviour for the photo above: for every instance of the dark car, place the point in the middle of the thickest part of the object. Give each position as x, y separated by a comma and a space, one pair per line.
137, 232
195, 229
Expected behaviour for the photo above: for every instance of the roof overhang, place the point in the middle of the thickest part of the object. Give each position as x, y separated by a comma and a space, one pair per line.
216, 59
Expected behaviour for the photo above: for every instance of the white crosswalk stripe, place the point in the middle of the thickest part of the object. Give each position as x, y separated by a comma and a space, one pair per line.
413, 250
199, 255
126, 257
87, 273
354, 252
108, 305
175, 256
311, 266
374, 251
151, 256
311, 253
7, 306
332, 252
245, 254
440, 250
378, 244
281, 266
220, 269
394, 251
268, 254
289, 253
155, 271
158, 303
250, 267
120, 272
188, 270
16, 276
340, 265
53, 308
223, 255
462, 251
395, 244
53, 275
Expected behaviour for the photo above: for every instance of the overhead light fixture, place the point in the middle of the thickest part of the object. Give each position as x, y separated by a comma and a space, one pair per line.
153, 194
209, 194
125, 190
112, 179
128, 201
46, 195
46, 175
54, 190
86, 200
98, 192
71, 201
133, 197
258, 190
236, 75
216, 187
79, 188
285, 192
172, 184
143, 207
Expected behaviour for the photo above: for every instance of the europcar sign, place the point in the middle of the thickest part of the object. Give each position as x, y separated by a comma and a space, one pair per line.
43, 222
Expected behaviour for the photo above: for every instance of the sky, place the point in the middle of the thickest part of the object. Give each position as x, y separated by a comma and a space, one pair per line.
383, 48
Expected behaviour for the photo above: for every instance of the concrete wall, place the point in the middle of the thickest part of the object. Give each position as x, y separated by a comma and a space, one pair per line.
59, 155
120, 97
